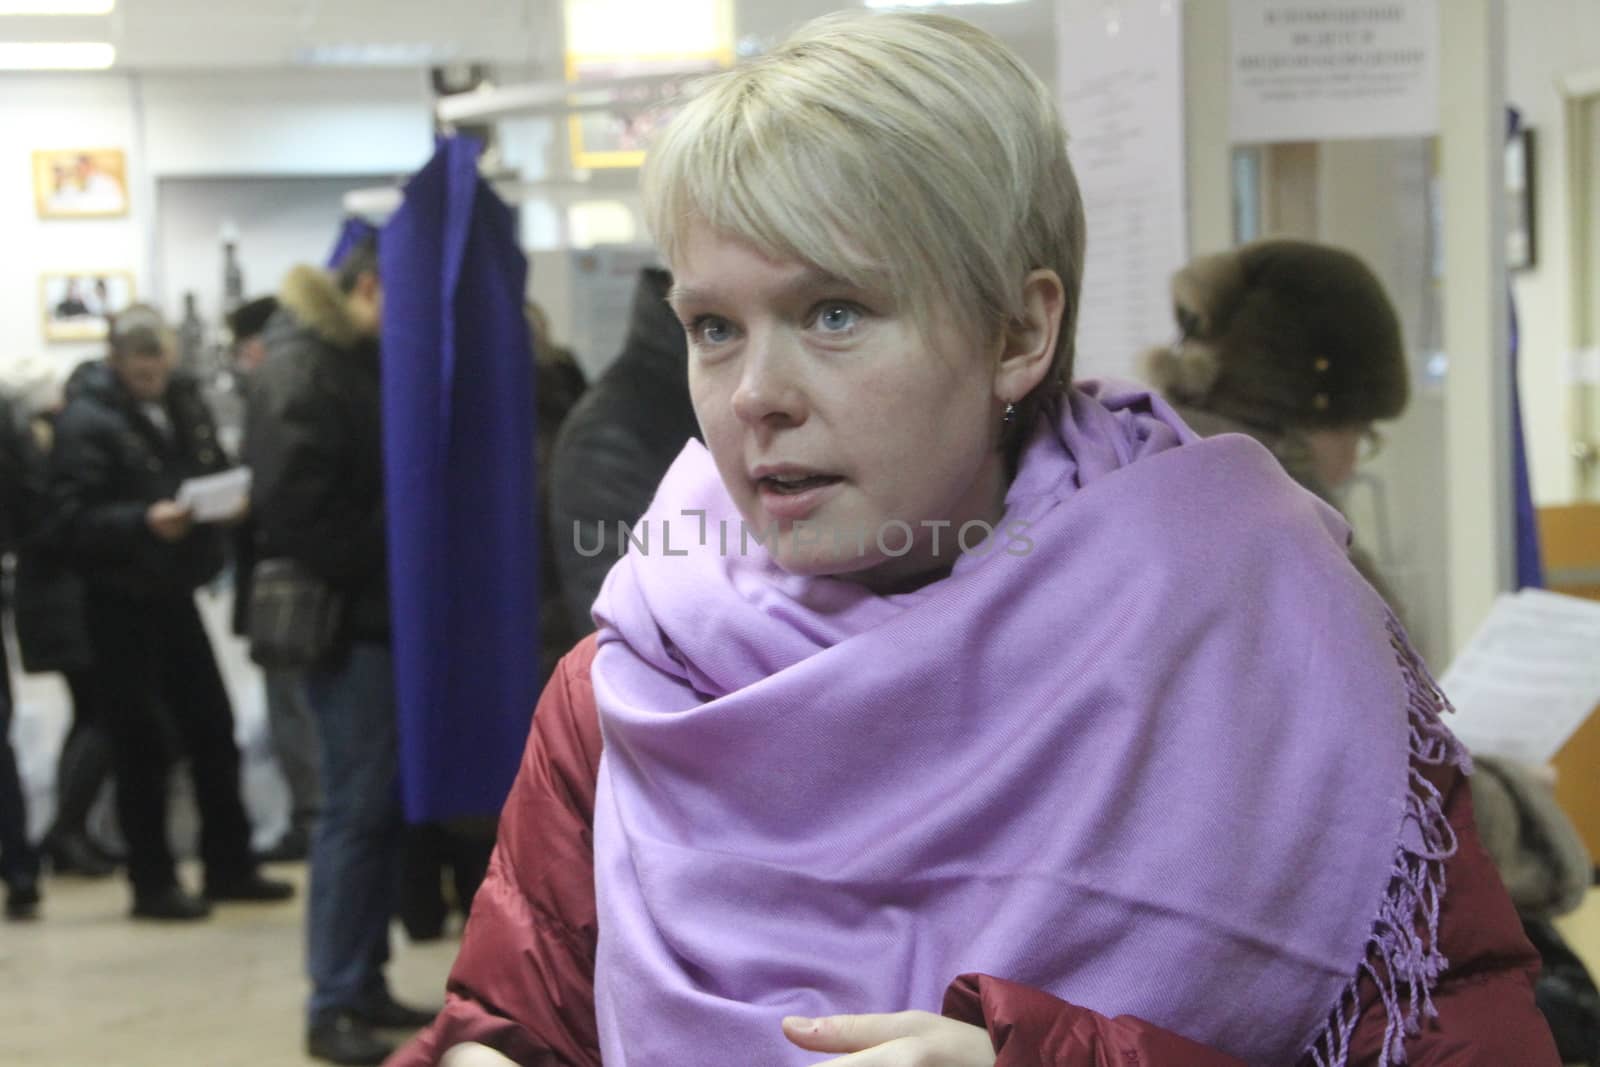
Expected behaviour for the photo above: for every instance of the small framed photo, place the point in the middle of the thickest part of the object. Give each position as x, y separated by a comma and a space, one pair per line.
81, 183
1521, 246
78, 306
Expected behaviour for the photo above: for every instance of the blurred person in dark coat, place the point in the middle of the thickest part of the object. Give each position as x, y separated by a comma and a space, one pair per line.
615, 446
52, 634
294, 735
129, 437
314, 432
19, 861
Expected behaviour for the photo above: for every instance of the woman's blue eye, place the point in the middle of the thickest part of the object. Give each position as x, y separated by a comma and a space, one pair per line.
838, 318
710, 330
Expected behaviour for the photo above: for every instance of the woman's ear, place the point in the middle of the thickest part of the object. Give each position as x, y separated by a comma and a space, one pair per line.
1028, 347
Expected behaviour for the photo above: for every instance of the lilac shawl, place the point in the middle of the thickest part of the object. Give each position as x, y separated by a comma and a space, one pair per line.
1161, 765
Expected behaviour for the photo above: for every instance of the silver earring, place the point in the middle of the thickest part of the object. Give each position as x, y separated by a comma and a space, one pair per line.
1010, 415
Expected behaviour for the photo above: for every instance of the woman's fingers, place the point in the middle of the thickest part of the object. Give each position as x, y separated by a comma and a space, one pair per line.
855, 1033
903, 1039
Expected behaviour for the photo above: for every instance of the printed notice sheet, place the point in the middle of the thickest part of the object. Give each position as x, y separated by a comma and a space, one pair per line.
216, 497
1528, 678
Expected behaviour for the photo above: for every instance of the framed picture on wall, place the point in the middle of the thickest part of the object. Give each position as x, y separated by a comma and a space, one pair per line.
1521, 248
80, 183
76, 306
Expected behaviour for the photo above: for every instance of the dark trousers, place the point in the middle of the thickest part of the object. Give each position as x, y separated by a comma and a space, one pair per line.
163, 697
85, 758
355, 850
294, 742
19, 862
433, 853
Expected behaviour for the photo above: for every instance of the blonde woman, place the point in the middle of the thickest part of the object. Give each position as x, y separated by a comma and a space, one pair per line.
942, 713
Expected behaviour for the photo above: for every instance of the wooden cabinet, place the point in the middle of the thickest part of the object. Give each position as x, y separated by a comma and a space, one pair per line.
1570, 537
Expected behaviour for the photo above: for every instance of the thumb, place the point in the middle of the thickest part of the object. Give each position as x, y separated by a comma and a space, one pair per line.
855, 1033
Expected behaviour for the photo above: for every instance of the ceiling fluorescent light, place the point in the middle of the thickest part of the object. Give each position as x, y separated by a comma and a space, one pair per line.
891, 4
400, 54
57, 7
56, 55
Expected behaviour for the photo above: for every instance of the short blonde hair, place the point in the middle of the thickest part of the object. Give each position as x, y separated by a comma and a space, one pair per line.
908, 154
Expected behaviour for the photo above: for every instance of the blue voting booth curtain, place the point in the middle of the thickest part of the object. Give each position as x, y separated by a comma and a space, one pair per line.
1530, 563
458, 410
353, 232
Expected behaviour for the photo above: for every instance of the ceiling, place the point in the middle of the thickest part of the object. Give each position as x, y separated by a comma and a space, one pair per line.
154, 35
167, 34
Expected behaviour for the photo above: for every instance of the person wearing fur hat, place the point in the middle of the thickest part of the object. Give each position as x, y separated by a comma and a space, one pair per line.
314, 431
1297, 345
1292, 343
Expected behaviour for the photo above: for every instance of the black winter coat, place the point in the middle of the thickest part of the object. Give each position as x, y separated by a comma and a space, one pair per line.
314, 438
47, 601
617, 444
109, 464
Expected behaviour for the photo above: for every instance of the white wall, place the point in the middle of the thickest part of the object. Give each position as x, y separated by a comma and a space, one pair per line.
298, 122
286, 123
1546, 39
50, 112
280, 222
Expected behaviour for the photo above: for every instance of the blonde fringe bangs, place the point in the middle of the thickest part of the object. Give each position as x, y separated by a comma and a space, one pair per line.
910, 155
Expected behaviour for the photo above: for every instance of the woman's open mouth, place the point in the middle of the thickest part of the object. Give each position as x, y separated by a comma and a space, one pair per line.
793, 496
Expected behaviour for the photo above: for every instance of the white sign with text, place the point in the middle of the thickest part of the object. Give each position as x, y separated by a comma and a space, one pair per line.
1121, 94
1327, 70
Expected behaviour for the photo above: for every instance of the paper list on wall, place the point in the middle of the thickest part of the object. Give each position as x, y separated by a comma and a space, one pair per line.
603, 282
1121, 88
1528, 678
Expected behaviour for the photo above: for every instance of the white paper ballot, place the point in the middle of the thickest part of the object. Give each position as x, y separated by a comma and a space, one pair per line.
216, 496
1528, 678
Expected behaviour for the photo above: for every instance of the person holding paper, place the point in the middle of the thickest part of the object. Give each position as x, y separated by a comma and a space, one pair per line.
1035, 730
131, 434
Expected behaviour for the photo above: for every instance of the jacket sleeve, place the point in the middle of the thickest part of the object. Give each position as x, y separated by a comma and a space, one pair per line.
523, 983
299, 501
1486, 1012
83, 472
601, 475
12, 478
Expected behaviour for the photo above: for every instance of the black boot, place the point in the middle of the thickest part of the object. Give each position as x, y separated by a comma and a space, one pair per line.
293, 847
387, 1013
22, 899
343, 1037
250, 888
73, 854
169, 905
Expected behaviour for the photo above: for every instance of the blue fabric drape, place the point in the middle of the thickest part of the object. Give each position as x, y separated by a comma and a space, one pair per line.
351, 233
459, 461
1530, 562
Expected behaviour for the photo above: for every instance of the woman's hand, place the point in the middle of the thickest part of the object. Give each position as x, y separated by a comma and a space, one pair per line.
472, 1054
904, 1039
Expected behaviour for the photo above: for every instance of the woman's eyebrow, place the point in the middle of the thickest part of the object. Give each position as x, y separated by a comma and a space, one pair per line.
803, 282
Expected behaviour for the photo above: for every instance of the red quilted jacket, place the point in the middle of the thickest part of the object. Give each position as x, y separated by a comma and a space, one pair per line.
524, 981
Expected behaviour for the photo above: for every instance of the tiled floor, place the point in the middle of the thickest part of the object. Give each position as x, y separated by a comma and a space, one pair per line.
87, 987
